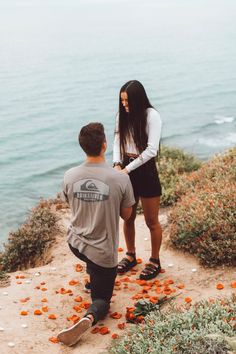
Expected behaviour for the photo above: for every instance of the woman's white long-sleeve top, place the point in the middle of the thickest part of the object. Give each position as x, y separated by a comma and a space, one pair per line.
153, 130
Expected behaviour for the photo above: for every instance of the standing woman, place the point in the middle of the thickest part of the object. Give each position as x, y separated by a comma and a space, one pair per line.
136, 143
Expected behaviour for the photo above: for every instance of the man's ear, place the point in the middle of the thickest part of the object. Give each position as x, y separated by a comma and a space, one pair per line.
104, 146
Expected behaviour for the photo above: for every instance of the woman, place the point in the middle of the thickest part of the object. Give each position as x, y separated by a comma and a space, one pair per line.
136, 143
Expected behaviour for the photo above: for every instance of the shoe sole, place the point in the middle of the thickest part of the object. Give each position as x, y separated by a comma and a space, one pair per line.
71, 335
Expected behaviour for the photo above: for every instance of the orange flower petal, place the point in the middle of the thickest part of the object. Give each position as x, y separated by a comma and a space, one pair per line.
104, 330
78, 267
154, 299
24, 313
120, 249
180, 286
45, 309
139, 260
73, 282
121, 325
38, 312
219, 286
52, 316
73, 318
77, 308
85, 305
44, 300
116, 315
114, 336
78, 299
44, 289
188, 300
53, 339
233, 284
95, 330
25, 299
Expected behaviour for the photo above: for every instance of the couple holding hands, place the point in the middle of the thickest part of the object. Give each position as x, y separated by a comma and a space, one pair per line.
99, 194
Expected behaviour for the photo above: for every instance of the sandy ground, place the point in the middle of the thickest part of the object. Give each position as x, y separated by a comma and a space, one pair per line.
31, 333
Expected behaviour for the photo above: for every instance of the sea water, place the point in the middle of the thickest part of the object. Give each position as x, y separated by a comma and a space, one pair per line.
62, 63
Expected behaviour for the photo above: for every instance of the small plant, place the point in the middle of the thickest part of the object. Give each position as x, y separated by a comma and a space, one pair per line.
144, 307
203, 221
28, 243
181, 331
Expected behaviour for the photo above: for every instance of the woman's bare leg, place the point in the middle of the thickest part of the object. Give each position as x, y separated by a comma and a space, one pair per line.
129, 231
151, 210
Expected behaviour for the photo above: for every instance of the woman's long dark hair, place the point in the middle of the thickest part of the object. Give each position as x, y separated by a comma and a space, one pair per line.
133, 123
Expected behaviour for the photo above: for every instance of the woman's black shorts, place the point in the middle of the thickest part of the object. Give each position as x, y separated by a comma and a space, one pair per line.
144, 179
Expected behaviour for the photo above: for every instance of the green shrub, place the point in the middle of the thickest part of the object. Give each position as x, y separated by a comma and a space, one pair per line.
203, 221
27, 244
182, 331
172, 164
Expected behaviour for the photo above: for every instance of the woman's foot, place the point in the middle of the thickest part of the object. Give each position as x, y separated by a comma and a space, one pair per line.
127, 263
151, 270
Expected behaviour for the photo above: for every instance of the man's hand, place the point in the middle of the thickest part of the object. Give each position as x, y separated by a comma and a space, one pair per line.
125, 171
117, 167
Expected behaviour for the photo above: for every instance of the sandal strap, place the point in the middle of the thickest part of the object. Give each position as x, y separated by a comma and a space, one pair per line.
131, 254
124, 262
155, 260
125, 265
149, 269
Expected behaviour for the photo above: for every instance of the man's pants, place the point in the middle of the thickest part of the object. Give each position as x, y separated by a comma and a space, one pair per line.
102, 282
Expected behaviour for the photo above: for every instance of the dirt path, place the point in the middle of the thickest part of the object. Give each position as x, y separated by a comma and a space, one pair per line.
30, 334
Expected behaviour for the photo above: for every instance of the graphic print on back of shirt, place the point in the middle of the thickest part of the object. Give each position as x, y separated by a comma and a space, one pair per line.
91, 190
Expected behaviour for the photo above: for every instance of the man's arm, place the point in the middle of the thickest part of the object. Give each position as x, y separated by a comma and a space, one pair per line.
125, 213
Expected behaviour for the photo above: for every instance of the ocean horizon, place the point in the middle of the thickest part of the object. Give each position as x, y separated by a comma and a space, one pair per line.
62, 64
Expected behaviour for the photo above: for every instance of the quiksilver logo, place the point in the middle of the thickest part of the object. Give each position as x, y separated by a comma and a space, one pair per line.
91, 190
89, 186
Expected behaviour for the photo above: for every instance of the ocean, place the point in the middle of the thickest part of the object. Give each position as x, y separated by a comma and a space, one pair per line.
62, 63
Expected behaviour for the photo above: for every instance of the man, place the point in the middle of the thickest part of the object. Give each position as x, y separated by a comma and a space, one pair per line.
97, 195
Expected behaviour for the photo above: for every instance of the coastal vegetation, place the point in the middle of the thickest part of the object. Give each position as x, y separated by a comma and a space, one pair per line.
207, 327
174, 164
203, 220
26, 246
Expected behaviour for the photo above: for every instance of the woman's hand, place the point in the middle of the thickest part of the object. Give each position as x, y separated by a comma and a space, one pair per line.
125, 171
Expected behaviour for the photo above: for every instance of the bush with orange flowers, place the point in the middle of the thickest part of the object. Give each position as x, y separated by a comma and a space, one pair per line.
203, 221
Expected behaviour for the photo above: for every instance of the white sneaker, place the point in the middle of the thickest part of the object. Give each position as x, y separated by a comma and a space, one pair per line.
70, 336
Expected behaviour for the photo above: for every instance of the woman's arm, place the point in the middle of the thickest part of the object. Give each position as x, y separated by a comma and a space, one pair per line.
154, 133
116, 144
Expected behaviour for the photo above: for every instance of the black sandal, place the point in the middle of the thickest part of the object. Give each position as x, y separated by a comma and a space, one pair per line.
125, 264
151, 271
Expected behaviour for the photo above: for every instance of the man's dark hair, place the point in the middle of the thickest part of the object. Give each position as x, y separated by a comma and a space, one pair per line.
91, 138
